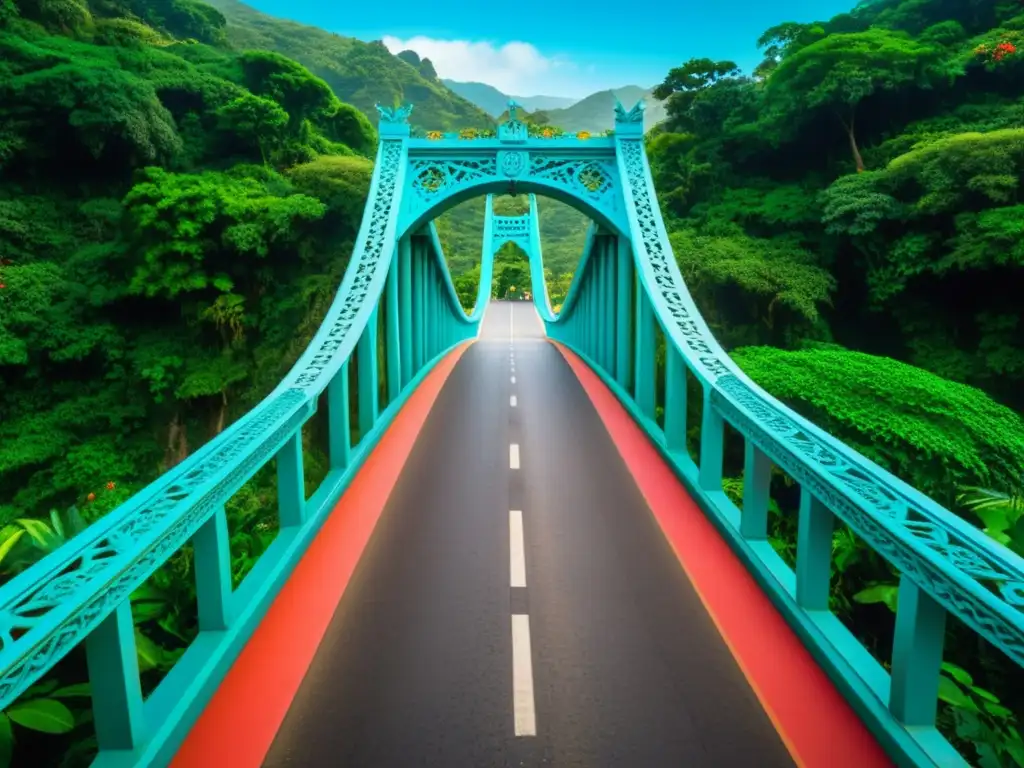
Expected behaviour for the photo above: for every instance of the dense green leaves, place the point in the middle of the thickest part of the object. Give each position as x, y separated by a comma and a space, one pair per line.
937, 434
838, 72
193, 231
751, 287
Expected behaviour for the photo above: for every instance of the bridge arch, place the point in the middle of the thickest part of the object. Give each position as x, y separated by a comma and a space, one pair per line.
443, 171
416, 215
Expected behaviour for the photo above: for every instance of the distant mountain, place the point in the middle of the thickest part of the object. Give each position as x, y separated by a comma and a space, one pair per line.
359, 73
538, 103
596, 113
494, 102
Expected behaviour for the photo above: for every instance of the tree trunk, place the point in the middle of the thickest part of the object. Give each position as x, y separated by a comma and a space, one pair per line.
221, 414
849, 126
177, 443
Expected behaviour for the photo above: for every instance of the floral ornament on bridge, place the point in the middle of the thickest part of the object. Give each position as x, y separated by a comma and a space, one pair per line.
584, 135
434, 135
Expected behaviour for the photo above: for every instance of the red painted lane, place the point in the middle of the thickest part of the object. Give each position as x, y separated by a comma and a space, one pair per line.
817, 725
239, 724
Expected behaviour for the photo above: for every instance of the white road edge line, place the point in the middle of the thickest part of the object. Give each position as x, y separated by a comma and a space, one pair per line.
517, 552
522, 677
512, 401
513, 456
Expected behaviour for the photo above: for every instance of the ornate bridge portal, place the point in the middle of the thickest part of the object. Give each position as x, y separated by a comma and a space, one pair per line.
445, 169
395, 319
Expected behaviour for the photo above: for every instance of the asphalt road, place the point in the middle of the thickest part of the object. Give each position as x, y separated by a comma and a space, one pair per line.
517, 604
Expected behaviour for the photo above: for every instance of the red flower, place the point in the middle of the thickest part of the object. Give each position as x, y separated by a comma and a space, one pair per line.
110, 485
91, 497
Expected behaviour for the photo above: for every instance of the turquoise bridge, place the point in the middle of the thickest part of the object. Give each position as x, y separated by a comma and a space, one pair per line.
626, 286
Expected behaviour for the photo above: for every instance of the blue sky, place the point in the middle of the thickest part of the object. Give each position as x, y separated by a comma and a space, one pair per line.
559, 48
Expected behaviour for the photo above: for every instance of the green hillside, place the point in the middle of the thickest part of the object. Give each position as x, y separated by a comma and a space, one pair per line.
359, 73
596, 113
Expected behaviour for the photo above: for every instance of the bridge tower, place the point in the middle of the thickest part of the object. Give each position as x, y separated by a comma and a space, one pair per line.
522, 230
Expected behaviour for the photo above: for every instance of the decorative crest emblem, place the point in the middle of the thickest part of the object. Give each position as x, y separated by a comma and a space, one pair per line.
394, 114
635, 115
513, 129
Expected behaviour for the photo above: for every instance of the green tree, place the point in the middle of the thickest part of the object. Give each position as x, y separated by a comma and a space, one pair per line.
300, 93
256, 120
753, 290
466, 286
836, 74
683, 85
194, 232
784, 38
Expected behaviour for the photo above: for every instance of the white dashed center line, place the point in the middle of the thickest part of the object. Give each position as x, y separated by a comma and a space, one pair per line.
517, 552
522, 677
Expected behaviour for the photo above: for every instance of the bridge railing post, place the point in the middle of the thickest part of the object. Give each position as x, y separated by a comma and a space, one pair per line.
916, 655
601, 319
644, 382
392, 329
623, 312
813, 552
366, 375
608, 302
405, 308
432, 302
712, 445
419, 304
212, 550
675, 401
112, 660
339, 428
757, 479
291, 490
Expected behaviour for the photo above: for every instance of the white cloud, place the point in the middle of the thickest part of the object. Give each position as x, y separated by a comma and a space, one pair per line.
515, 68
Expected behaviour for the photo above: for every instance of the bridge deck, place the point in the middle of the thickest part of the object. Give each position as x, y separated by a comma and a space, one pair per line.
416, 667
